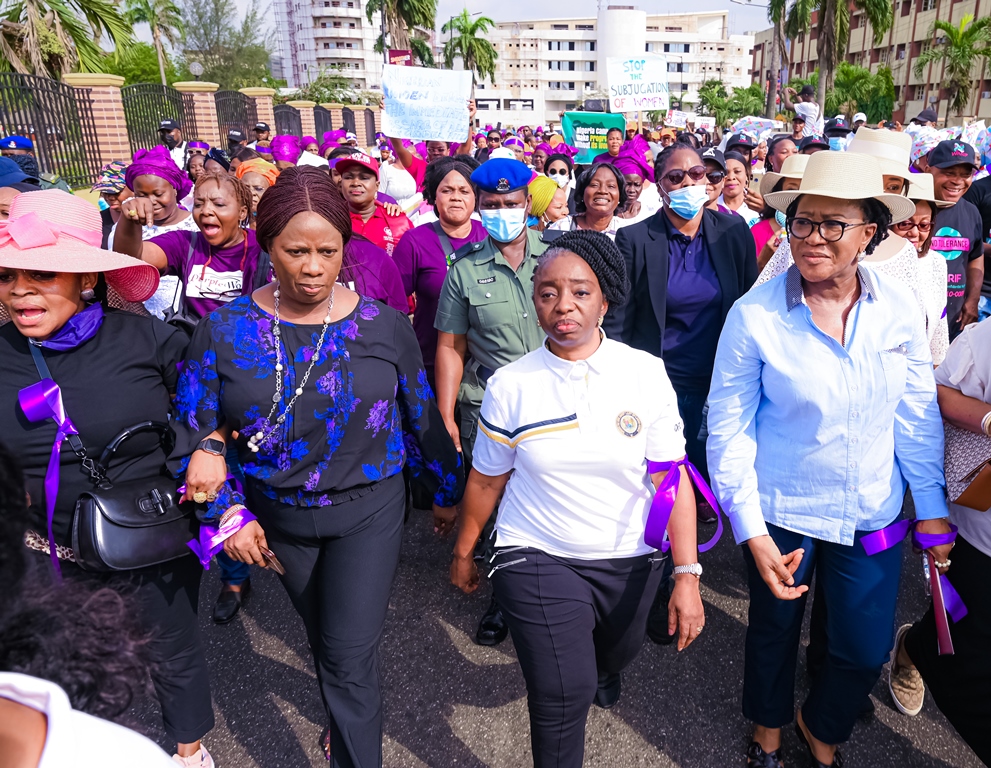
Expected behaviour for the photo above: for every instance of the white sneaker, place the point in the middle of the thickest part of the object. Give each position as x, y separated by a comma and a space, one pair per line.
905, 684
199, 759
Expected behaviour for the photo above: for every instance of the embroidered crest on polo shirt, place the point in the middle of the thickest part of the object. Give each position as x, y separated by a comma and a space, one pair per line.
629, 423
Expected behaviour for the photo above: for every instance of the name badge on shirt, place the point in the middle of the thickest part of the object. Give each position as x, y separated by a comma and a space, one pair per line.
628, 423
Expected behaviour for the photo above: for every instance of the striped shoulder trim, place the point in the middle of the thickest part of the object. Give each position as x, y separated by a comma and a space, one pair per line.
514, 438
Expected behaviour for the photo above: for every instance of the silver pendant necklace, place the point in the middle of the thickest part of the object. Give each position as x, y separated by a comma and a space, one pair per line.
256, 440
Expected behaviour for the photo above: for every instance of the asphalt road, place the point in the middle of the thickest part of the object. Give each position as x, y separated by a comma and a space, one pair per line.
449, 702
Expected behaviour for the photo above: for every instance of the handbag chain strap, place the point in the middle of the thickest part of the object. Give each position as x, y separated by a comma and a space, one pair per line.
97, 473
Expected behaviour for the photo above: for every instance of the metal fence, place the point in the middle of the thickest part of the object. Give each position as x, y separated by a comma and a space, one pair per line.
288, 121
321, 121
348, 126
147, 104
369, 128
235, 111
60, 125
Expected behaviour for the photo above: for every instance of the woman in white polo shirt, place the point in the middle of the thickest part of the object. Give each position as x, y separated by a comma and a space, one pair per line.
565, 437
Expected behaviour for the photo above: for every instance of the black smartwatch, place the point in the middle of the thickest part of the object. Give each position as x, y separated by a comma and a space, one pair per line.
216, 447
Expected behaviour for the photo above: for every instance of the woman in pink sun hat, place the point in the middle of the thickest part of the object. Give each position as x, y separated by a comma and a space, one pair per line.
111, 371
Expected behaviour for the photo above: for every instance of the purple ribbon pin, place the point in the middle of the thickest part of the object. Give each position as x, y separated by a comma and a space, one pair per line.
663, 503
39, 402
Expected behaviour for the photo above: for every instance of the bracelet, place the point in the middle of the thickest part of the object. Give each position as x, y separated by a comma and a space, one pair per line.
986, 424
230, 513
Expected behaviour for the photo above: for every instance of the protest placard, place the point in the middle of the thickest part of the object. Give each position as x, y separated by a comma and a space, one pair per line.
639, 83
707, 123
677, 119
586, 131
425, 104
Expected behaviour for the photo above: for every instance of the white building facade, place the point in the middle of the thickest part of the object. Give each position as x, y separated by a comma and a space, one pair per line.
549, 66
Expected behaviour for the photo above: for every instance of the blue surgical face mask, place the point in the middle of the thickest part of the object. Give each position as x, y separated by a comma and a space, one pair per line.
688, 201
780, 218
837, 143
504, 224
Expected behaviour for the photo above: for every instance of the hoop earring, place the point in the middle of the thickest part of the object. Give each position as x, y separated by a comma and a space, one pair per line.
87, 295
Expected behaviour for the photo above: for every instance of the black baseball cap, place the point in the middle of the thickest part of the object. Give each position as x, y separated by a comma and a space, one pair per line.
949, 153
926, 116
813, 141
837, 124
235, 136
741, 140
807, 90
715, 156
799, 118
168, 124
262, 127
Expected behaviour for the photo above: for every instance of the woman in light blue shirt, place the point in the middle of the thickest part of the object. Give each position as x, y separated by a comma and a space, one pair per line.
822, 409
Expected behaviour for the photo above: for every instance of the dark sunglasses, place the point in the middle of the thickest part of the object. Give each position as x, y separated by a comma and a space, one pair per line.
907, 226
677, 176
715, 177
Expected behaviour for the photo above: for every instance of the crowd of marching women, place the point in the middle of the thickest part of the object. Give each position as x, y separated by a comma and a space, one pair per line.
267, 355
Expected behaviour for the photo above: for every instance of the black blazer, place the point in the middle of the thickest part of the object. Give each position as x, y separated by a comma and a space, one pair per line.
640, 322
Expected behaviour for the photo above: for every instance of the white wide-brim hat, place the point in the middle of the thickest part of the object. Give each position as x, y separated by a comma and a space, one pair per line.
844, 176
891, 149
921, 189
54, 231
792, 168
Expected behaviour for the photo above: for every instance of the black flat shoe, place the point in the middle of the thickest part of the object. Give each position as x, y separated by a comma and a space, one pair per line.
229, 602
607, 694
492, 629
758, 758
813, 762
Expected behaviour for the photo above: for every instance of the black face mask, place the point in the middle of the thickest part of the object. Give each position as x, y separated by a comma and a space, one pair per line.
169, 140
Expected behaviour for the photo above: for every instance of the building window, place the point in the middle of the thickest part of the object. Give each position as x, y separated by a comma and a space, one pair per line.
326, 46
589, 86
585, 27
653, 29
672, 29
883, 56
855, 21
589, 66
906, 7
323, 24
920, 93
337, 24
351, 25
900, 51
928, 5
676, 67
559, 26
676, 48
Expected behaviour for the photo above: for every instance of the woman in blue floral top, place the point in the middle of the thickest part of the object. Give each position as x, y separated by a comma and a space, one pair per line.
324, 395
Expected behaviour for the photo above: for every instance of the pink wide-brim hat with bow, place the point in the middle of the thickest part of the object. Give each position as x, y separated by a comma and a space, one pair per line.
54, 231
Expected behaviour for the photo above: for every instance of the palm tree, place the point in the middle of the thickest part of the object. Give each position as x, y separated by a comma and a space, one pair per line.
54, 37
469, 43
959, 48
165, 20
777, 13
833, 25
746, 101
401, 18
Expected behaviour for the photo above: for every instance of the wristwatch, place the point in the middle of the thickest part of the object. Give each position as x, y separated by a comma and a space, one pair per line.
693, 568
216, 447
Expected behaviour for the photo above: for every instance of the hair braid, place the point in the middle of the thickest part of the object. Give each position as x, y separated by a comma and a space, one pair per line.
602, 256
297, 190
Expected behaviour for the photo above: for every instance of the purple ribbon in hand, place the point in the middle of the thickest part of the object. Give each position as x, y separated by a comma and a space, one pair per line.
664, 498
212, 538
39, 402
946, 598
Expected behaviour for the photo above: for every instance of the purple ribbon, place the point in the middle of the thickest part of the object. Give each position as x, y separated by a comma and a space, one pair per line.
212, 538
952, 603
664, 498
39, 402
79, 329
197, 145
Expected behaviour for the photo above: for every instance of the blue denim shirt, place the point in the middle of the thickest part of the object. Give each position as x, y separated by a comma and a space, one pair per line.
817, 437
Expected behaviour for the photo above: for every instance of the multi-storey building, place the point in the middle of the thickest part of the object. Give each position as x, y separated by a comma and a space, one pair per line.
548, 66
901, 45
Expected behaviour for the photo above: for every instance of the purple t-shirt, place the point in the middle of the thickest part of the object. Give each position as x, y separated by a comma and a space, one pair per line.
373, 274
212, 277
422, 266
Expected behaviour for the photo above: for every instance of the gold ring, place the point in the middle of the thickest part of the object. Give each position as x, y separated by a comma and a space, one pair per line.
199, 497
698, 630
211, 496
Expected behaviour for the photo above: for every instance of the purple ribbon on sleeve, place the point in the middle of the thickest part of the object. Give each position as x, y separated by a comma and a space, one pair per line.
211, 539
664, 498
945, 597
39, 402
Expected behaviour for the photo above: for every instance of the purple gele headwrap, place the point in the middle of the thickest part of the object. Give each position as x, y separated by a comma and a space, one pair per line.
632, 158
546, 147
334, 137
421, 149
454, 148
286, 149
512, 141
327, 147
307, 140
198, 145
157, 162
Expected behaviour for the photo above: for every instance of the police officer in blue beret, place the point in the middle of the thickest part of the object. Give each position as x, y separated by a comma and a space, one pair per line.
20, 149
486, 319
12, 146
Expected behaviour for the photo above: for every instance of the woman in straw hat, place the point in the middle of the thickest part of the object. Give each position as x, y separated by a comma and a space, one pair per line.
822, 409
112, 370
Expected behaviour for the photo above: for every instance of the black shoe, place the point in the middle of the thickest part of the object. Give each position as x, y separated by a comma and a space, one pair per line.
492, 629
813, 762
229, 602
704, 513
758, 758
607, 694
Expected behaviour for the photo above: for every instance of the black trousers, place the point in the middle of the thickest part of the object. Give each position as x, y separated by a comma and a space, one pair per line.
167, 598
960, 683
571, 620
340, 561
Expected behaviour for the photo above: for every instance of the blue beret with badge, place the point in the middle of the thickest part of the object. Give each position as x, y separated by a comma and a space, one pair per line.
502, 175
16, 142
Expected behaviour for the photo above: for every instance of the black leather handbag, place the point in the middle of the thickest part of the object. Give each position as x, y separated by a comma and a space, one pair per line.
135, 524
128, 525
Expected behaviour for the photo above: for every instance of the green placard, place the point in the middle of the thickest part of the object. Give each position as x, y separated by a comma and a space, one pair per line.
586, 131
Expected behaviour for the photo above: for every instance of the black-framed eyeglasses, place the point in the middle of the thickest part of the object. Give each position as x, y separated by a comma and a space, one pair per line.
829, 230
677, 176
229, 295
715, 177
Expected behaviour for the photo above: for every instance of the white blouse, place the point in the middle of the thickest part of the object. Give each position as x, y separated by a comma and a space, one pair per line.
578, 436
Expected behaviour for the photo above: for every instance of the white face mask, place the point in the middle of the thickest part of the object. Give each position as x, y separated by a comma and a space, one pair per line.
561, 177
